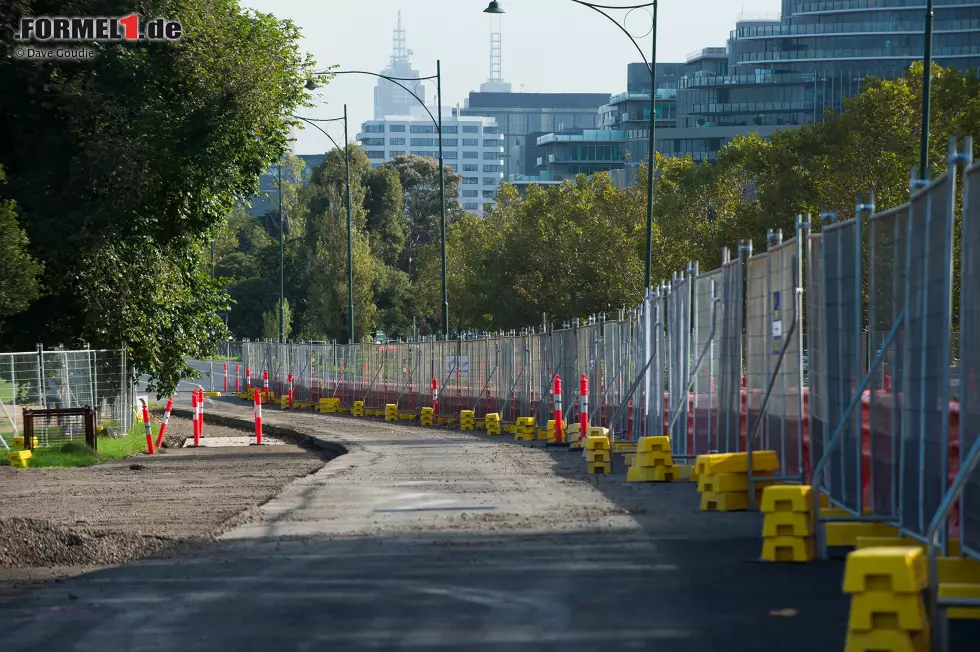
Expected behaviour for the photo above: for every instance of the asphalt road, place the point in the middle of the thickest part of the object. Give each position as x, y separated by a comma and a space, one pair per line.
435, 539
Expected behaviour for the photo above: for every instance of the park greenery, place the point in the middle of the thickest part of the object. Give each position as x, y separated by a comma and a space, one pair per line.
121, 170
123, 218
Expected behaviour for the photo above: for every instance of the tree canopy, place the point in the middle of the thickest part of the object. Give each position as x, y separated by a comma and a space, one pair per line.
125, 167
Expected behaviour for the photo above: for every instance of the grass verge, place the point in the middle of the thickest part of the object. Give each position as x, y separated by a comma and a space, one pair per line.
77, 454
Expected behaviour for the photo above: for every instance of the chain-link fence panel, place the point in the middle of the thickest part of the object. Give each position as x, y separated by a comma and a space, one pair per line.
925, 408
969, 355
887, 233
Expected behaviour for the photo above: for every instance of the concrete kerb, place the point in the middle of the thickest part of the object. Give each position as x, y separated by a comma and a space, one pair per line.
333, 449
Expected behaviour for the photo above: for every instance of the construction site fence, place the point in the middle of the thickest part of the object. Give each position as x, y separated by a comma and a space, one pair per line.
48, 379
834, 347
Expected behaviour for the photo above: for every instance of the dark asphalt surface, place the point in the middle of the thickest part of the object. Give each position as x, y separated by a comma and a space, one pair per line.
478, 592
676, 579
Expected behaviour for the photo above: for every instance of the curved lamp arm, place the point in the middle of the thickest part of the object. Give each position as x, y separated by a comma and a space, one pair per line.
397, 81
314, 121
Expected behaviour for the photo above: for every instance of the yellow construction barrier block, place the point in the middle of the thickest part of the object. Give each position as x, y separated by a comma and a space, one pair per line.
391, 412
789, 549
845, 534
427, 416
882, 610
597, 443
571, 432
629, 458
544, 434
595, 468
729, 502
526, 422
624, 447
895, 570
18, 441
358, 409
958, 570
883, 542
284, 402
683, 471
407, 416
598, 456
19, 459
467, 420
787, 524
598, 431
960, 591
653, 458
653, 445
523, 436
212, 394
727, 482
736, 462
642, 474
510, 428
884, 640
797, 499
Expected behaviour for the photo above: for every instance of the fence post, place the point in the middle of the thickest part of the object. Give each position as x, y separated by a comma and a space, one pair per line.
41, 389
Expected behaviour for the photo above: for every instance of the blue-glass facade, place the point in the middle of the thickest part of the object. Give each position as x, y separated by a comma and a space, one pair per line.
789, 71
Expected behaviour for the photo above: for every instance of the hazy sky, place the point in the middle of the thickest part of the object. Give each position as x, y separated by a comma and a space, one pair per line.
548, 45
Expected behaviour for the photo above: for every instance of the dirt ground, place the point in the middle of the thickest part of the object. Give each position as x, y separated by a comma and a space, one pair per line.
56, 523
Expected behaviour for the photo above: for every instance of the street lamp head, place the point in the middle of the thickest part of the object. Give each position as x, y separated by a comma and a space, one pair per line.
310, 85
494, 8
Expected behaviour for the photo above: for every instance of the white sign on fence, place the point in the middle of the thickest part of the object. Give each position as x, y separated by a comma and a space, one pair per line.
458, 364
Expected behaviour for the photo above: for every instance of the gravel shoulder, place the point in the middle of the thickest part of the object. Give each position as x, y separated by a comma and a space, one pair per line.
56, 523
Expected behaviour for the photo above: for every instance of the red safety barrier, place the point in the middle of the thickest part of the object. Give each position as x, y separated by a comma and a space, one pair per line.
237, 390
248, 378
290, 391
257, 398
583, 394
149, 432
226, 375
166, 420
559, 431
200, 418
265, 383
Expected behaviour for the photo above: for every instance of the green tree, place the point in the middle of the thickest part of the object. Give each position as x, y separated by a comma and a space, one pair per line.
18, 270
270, 321
124, 169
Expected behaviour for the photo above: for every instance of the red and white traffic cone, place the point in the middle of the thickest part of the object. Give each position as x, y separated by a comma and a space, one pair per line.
166, 420
559, 431
226, 375
435, 397
257, 398
583, 391
194, 412
149, 432
248, 378
265, 383
290, 391
237, 390
200, 417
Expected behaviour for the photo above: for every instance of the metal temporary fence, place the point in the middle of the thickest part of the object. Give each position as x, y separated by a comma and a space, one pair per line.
898, 467
774, 352
969, 354
51, 379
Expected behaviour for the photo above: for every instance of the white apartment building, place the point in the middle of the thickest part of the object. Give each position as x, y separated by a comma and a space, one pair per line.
472, 146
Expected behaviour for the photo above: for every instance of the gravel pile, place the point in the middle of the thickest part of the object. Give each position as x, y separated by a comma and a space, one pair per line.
28, 542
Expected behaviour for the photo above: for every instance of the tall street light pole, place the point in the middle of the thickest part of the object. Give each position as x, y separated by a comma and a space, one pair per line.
442, 166
282, 267
310, 85
926, 91
495, 8
442, 205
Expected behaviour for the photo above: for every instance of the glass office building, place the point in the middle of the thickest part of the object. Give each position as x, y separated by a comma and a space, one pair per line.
788, 70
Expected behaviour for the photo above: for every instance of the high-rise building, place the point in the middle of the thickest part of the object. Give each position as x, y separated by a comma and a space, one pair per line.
472, 146
787, 70
390, 98
519, 114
